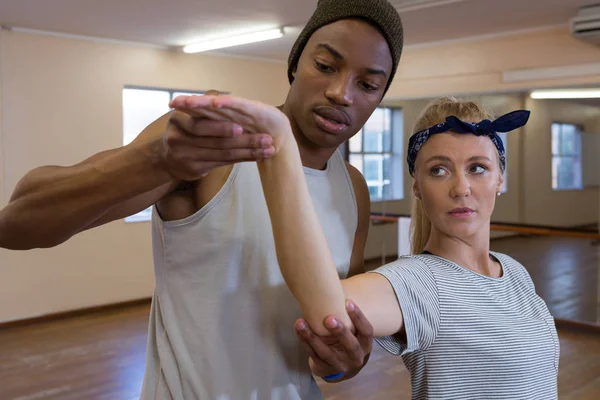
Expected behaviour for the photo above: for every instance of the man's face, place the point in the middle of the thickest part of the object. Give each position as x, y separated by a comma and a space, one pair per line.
340, 79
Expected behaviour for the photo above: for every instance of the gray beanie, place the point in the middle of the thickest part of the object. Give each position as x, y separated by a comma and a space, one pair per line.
378, 12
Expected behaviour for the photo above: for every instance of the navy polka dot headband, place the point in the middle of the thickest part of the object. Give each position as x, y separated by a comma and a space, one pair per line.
505, 123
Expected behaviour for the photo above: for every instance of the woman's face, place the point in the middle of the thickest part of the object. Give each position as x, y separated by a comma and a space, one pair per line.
457, 177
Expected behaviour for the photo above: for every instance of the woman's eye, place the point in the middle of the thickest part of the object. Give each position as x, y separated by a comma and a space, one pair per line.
478, 169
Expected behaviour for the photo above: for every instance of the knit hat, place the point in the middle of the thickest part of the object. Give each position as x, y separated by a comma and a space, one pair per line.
379, 12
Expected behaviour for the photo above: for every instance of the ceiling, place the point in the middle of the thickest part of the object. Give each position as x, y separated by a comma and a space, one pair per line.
180, 22
587, 102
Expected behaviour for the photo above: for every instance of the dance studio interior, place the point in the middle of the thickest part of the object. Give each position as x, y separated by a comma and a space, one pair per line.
78, 313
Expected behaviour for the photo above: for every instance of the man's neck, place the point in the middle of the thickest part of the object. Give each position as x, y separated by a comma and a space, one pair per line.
312, 155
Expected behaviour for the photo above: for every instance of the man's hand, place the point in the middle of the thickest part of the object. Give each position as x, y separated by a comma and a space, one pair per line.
193, 144
252, 116
341, 351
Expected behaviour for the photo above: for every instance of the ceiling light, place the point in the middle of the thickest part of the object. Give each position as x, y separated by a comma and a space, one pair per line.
566, 94
234, 41
415, 5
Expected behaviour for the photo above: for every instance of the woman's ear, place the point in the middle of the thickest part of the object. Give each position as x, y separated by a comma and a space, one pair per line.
500, 184
416, 190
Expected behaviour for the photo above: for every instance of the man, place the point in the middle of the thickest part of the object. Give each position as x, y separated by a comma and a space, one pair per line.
221, 313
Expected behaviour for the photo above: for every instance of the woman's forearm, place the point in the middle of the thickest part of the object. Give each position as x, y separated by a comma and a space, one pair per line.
302, 249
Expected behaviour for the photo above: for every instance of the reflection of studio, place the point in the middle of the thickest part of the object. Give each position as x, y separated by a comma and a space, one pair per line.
154, 245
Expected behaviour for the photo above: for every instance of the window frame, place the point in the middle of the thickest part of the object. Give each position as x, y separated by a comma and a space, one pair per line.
146, 215
394, 155
576, 156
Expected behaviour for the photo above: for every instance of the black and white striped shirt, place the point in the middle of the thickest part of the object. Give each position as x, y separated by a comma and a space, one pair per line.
470, 336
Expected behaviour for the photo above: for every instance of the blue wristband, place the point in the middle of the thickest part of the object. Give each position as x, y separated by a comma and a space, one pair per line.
334, 376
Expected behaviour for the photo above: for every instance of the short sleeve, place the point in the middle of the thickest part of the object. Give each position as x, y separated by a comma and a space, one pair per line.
417, 294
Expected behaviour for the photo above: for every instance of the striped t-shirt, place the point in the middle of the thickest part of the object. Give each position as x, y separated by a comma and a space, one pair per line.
470, 336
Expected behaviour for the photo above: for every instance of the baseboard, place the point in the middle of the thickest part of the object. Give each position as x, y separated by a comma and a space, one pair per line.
75, 313
592, 227
586, 327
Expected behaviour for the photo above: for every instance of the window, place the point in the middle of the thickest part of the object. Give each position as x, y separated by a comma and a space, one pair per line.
566, 157
376, 151
140, 108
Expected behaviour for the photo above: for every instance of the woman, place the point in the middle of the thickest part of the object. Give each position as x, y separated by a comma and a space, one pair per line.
467, 321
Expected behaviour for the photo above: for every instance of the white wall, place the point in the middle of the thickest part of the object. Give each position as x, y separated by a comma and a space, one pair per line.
542, 204
62, 102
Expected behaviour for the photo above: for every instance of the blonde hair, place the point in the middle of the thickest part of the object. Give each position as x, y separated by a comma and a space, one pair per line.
434, 113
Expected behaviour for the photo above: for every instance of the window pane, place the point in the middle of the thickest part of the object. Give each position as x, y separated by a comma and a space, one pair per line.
377, 153
387, 167
387, 192
378, 123
387, 130
140, 108
568, 144
555, 138
566, 173
356, 143
374, 192
377, 120
357, 161
372, 141
555, 164
142, 216
577, 173
373, 168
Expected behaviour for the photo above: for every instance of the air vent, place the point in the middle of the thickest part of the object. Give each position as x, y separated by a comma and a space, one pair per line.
586, 25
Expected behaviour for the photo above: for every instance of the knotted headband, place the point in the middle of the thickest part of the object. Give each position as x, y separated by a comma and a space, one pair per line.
505, 123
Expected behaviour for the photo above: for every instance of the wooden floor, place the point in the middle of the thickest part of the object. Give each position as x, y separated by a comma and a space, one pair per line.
564, 270
101, 356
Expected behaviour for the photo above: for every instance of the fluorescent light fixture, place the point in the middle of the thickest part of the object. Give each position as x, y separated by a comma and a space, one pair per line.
414, 5
566, 94
234, 41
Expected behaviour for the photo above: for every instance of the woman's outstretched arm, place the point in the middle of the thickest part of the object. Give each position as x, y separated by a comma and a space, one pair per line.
302, 249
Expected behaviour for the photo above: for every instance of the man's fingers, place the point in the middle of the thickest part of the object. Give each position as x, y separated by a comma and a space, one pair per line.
198, 157
246, 141
238, 155
341, 334
322, 350
364, 329
309, 350
204, 127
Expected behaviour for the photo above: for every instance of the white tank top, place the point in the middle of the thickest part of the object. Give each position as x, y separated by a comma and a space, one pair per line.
221, 322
